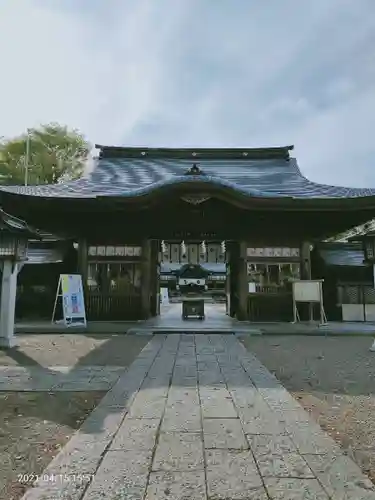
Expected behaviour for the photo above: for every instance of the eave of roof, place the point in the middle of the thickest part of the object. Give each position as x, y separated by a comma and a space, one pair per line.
13, 225
342, 254
361, 237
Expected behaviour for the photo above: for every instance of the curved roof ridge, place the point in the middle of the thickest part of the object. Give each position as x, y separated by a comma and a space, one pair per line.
192, 152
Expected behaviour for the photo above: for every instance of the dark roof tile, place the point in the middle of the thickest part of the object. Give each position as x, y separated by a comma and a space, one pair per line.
342, 254
273, 175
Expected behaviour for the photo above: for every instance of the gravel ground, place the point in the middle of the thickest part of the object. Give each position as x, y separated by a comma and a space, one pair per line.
35, 425
334, 380
74, 349
33, 428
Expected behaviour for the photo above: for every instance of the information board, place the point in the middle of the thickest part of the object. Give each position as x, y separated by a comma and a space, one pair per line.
310, 292
70, 292
252, 287
164, 295
307, 291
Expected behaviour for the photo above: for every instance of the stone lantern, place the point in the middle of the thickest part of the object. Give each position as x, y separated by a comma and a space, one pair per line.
14, 235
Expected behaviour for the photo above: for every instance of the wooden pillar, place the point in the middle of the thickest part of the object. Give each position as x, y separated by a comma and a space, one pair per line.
146, 278
232, 254
82, 263
8, 303
305, 263
227, 284
242, 282
154, 279
305, 260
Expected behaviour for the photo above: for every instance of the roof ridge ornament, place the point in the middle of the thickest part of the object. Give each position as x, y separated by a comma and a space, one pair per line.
194, 170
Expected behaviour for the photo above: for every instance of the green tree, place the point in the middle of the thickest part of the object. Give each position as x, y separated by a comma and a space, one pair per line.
52, 152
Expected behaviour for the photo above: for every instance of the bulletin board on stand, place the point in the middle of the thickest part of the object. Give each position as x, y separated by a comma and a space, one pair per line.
310, 292
71, 297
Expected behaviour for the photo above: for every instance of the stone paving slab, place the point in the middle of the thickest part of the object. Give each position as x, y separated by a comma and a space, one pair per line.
181, 422
233, 474
281, 488
179, 451
121, 475
340, 476
198, 417
177, 486
224, 433
136, 434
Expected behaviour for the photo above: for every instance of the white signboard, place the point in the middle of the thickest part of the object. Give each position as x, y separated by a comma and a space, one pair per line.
273, 252
70, 290
252, 287
164, 295
307, 291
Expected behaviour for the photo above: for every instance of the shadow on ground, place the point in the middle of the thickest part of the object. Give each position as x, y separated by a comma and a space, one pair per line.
111, 350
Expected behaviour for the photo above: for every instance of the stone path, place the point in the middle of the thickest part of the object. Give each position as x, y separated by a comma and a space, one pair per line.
198, 417
170, 321
58, 378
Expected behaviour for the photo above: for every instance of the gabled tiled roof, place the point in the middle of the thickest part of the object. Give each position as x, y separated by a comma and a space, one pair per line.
132, 172
342, 254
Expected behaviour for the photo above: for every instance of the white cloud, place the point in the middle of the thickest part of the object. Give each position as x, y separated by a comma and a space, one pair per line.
46, 71
187, 73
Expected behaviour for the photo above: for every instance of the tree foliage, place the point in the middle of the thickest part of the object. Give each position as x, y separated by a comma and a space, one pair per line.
54, 153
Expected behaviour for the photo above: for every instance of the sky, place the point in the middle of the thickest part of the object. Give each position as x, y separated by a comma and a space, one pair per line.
200, 73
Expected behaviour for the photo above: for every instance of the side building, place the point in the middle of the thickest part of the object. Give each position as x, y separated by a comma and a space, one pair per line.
349, 293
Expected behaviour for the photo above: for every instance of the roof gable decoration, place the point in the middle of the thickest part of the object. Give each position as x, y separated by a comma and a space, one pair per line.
194, 170
195, 199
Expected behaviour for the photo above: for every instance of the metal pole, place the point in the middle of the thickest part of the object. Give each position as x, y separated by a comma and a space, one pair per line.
27, 157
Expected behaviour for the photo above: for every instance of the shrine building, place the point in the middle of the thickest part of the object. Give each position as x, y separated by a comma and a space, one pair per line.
248, 215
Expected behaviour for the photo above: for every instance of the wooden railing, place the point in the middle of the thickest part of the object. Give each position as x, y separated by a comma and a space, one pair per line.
270, 289
348, 293
113, 306
276, 306
34, 303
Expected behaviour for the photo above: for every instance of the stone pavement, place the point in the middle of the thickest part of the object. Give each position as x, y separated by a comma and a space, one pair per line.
198, 417
170, 321
58, 378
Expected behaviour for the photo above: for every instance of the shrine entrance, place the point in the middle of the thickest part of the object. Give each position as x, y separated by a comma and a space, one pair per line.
138, 282
205, 261
223, 264
130, 277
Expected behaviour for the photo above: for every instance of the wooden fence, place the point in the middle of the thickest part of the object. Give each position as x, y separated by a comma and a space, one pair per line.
113, 306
